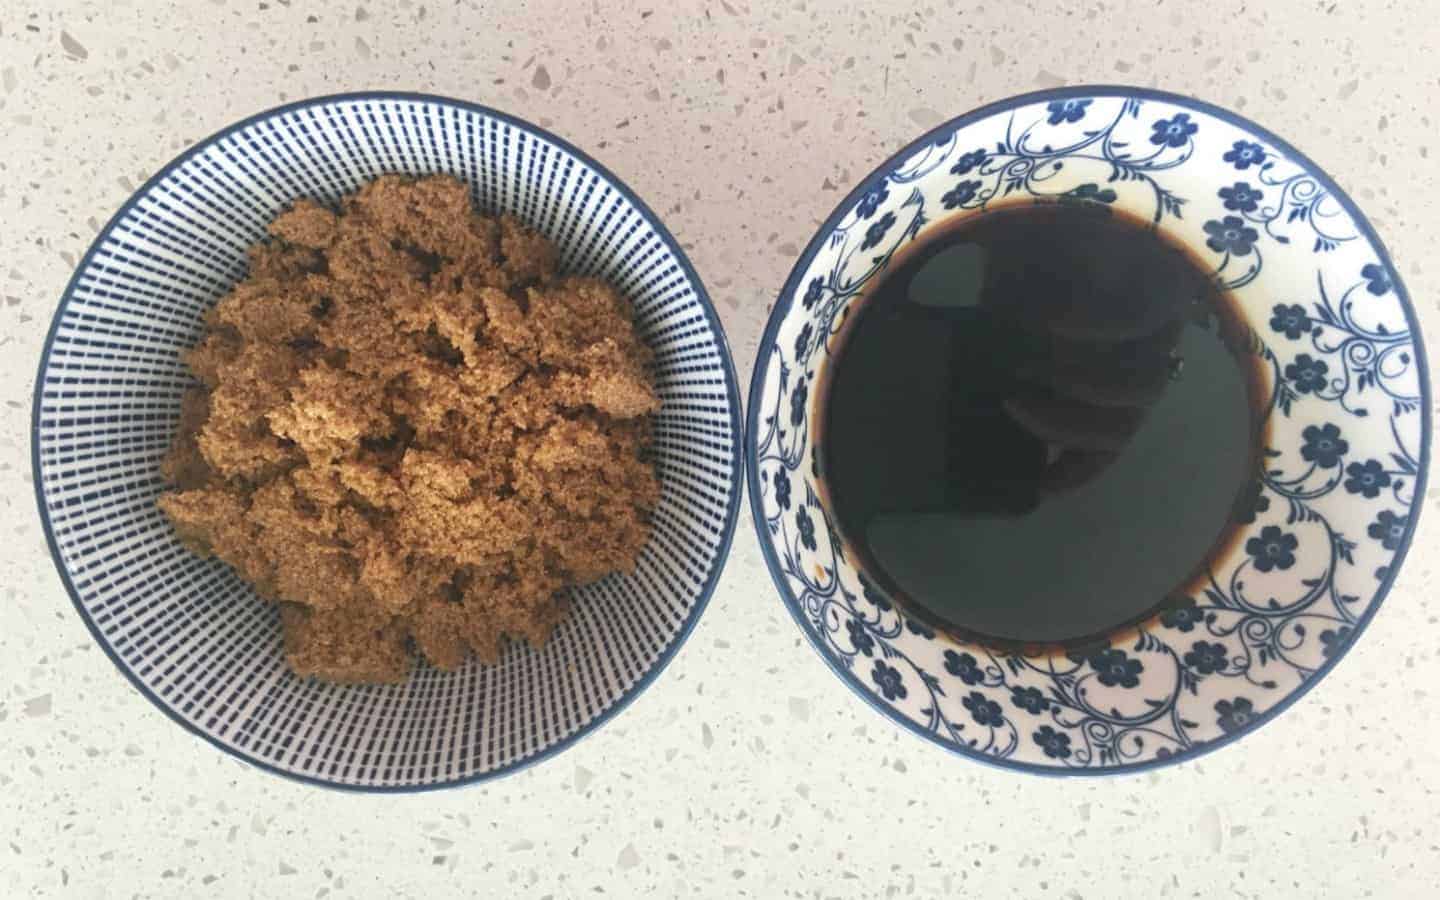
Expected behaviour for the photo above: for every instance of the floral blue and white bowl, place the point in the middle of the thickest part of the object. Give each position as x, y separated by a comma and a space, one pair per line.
1331, 516
188, 633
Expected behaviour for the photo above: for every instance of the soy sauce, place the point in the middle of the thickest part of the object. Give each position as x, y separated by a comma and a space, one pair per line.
1037, 422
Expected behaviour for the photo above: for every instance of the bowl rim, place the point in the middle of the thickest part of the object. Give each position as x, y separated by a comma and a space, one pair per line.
732, 390
785, 301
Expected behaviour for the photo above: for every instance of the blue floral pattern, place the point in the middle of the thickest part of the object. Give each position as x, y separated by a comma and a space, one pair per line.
1230, 235
814, 292
1241, 197
1332, 639
1272, 549
1368, 478
1321, 526
1055, 744
1206, 658
876, 232
1234, 714
1029, 699
960, 194
964, 667
1298, 200
889, 680
1307, 374
1377, 281
1175, 131
781, 480
803, 343
1388, 528
1289, 320
1183, 617
1115, 668
805, 528
860, 637
972, 160
1067, 111
1323, 444
1244, 154
871, 201
983, 710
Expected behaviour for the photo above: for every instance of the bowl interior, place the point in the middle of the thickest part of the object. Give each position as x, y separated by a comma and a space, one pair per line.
189, 633
1345, 452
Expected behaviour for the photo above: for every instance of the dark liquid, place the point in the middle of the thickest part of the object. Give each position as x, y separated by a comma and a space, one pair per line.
1037, 424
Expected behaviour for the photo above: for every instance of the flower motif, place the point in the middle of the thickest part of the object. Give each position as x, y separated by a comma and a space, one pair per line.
1056, 744
813, 292
888, 679
806, 526
1251, 502
1273, 549
835, 543
797, 402
1366, 478
1029, 699
860, 637
963, 666
1290, 321
1334, 639
1241, 197
1378, 279
802, 343
1174, 132
1234, 714
960, 194
781, 480
1183, 617
1388, 529
1089, 192
1116, 667
920, 629
1323, 445
968, 161
1243, 154
1307, 374
1206, 657
872, 593
984, 711
871, 201
1231, 236
1066, 110
876, 232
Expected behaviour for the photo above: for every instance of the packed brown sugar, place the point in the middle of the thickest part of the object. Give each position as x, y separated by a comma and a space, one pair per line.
413, 433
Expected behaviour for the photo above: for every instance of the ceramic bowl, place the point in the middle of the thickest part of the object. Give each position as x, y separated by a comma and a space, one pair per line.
188, 633
1326, 525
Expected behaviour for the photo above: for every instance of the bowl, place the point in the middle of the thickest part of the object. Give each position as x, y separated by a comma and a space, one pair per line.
1324, 530
194, 638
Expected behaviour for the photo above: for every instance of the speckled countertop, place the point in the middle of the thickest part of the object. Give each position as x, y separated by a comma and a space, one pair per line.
747, 769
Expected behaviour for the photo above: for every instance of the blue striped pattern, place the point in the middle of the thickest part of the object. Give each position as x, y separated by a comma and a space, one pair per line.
189, 633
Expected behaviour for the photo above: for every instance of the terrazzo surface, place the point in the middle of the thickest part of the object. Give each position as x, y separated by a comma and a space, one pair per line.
747, 769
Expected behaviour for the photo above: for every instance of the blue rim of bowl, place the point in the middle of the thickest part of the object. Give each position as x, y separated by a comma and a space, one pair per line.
786, 300
732, 390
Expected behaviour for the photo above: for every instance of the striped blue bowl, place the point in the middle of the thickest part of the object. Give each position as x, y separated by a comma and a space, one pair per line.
193, 637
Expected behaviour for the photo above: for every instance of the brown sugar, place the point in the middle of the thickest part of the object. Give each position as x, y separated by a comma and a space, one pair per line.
412, 433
